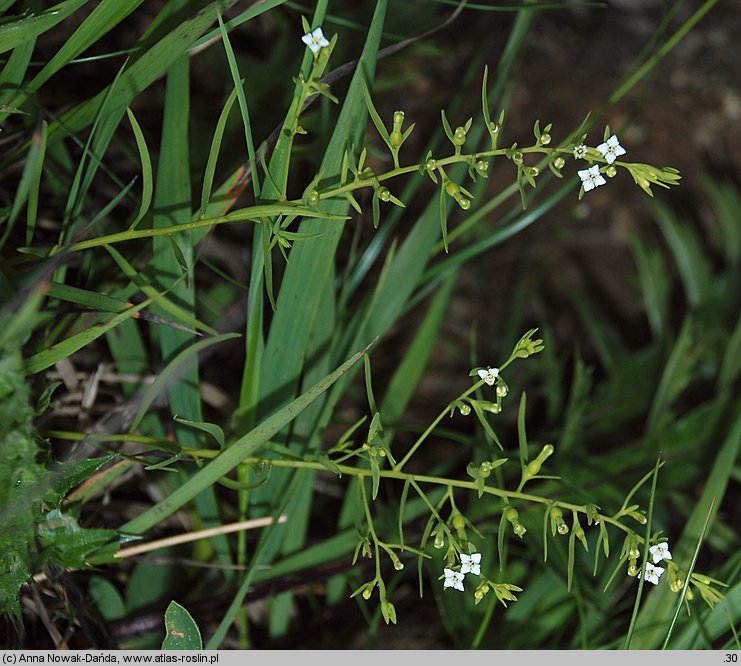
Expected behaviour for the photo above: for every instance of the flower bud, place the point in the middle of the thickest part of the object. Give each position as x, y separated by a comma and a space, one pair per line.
481, 166
478, 595
517, 157
313, 198
464, 408
559, 162
459, 136
485, 470
366, 594
493, 127
519, 529
464, 203
439, 539
398, 564
610, 171
511, 514
533, 171
502, 390
634, 553
632, 569
384, 194
431, 164
545, 139
689, 594
459, 522
452, 189
533, 467
677, 585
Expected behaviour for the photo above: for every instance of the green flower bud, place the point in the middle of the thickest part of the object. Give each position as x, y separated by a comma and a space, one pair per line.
459, 522
398, 119
464, 203
610, 171
517, 157
384, 194
459, 136
366, 594
485, 588
439, 539
559, 162
511, 514
493, 127
452, 188
398, 564
431, 164
313, 198
464, 408
533, 171
677, 585
533, 467
634, 553
478, 595
689, 594
519, 529
632, 569
545, 139
502, 390
481, 166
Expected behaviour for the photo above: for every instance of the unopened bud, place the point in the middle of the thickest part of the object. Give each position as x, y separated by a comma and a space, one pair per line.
459, 136
610, 171
367, 592
517, 157
313, 198
545, 139
632, 569
519, 529
384, 194
439, 540
459, 522
634, 553
502, 390
533, 171
559, 162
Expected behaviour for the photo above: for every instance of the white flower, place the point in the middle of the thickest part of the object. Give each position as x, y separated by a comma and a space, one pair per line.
471, 563
591, 178
580, 151
315, 40
489, 375
652, 573
660, 552
611, 149
453, 579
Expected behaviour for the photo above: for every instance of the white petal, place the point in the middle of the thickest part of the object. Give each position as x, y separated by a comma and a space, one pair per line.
476, 558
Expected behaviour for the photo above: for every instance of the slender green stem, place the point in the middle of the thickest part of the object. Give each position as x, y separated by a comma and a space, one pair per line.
416, 479
432, 426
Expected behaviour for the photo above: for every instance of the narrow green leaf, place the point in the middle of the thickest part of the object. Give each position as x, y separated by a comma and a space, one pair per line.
28, 28
146, 162
235, 453
69, 346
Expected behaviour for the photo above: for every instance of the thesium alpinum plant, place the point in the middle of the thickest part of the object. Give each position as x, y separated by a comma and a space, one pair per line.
126, 266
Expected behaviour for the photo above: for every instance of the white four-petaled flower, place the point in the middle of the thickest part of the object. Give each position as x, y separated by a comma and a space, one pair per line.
660, 552
453, 579
580, 151
591, 178
652, 573
611, 149
471, 563
315, 40
489, 375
